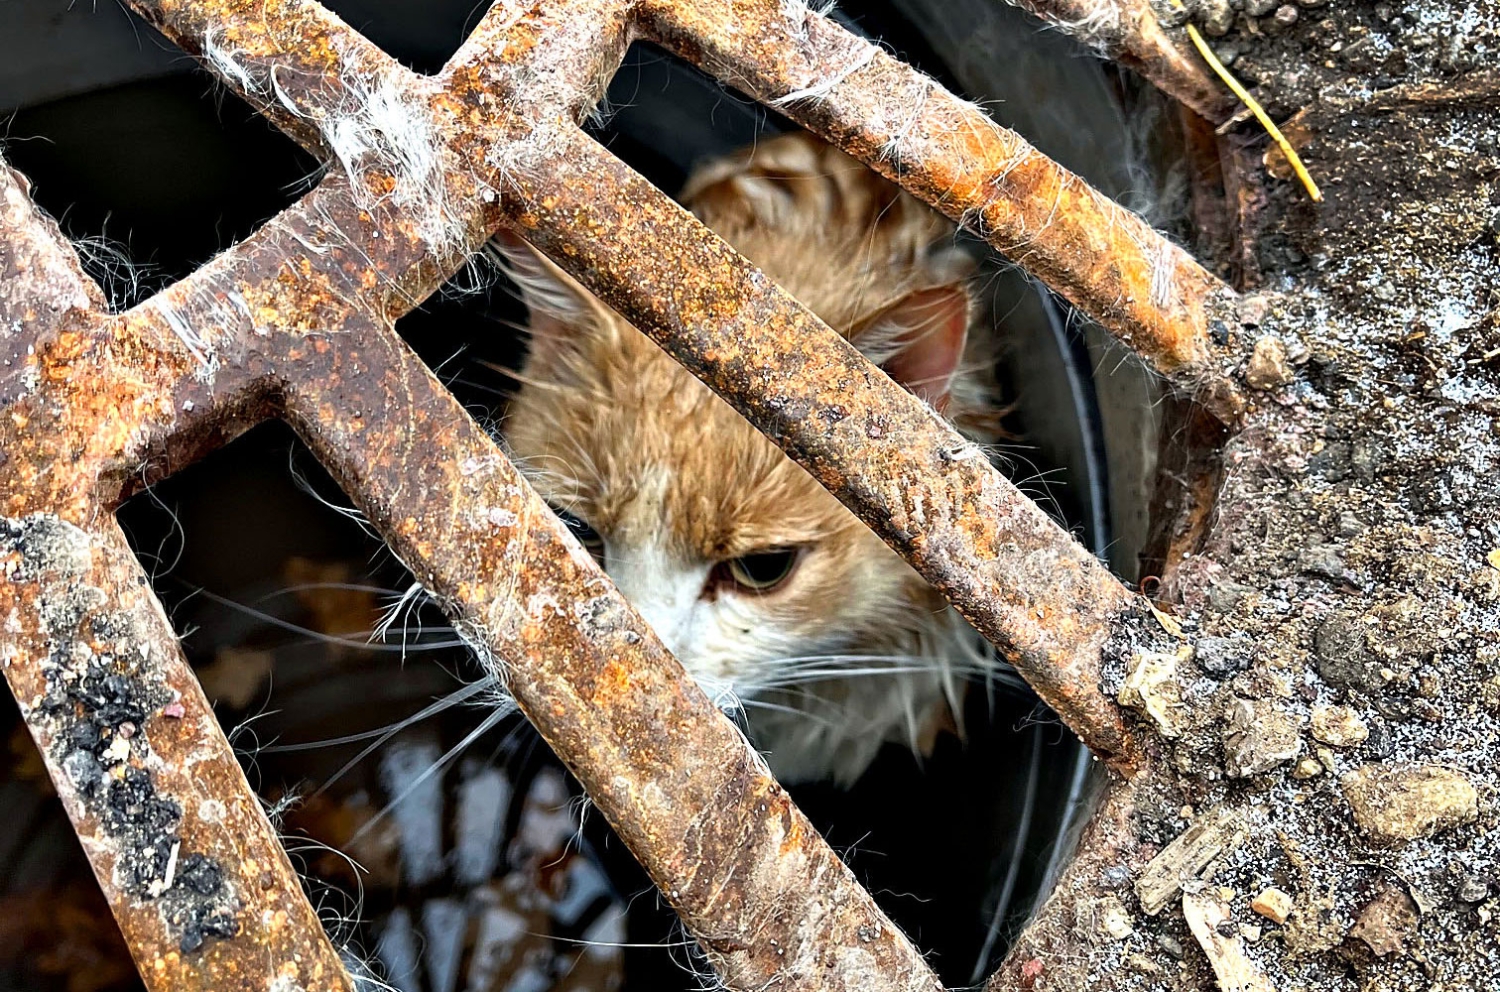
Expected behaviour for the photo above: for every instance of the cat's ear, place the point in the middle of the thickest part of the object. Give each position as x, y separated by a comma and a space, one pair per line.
919, 340
560, 309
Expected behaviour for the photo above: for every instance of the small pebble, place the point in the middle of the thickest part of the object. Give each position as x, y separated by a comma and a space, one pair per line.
1221, 656
1217, 17
173, 710
1343, 657
1274, 904
1258, 737
1114, 918
1387, 921
1472, 889
117, 752
1260, 8
1307, 768
1253, 310
1324, 561
84, 771
1268, 368
1286, 15
1338, 726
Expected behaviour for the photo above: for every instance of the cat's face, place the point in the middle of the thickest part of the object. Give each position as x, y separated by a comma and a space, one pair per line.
732, 553
761, 583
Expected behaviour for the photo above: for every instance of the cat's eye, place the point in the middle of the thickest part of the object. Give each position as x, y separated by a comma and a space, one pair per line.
764, 570
587, 536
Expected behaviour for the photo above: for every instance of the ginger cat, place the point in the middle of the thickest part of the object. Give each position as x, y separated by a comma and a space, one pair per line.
775, 598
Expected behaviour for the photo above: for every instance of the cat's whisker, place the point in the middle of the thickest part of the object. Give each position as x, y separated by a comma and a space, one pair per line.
797, 711
400, 725
323, 638
352, 513
499, 714
825, 674
328, 586
386, 732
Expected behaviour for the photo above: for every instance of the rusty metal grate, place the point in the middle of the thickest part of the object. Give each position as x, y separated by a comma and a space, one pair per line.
296, 322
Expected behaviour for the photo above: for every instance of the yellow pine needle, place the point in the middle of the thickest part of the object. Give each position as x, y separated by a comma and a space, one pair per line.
1255, 108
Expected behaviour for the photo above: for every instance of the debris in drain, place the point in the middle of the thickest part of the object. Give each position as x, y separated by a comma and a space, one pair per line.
1180, 861
1151, 687
1222, 656
1387, 921
1338, 726
1396, 803
1114, 918
501, 907
1258, 736
1307, 768
1344, 660
1268, 367
1274, 904
1207, 915
1472, 888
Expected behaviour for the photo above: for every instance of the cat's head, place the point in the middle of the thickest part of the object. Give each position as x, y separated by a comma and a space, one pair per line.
754, 576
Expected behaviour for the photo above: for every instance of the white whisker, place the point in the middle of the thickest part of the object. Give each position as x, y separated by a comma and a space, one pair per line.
485, 726
447, 702
319, 636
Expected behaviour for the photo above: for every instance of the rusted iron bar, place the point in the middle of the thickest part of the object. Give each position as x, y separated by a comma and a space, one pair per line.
1036, 593
1101, 257
41, 283
1127, 32
191, 867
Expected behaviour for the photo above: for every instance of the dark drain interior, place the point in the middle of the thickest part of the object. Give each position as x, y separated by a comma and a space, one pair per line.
276, 592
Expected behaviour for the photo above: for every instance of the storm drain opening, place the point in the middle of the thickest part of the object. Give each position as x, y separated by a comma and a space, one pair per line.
479, 866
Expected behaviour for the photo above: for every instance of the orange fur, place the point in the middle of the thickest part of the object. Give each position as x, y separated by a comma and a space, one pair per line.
612, 430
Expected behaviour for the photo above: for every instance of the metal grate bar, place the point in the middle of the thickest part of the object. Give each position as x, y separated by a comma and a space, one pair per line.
191, 867
1102, 258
